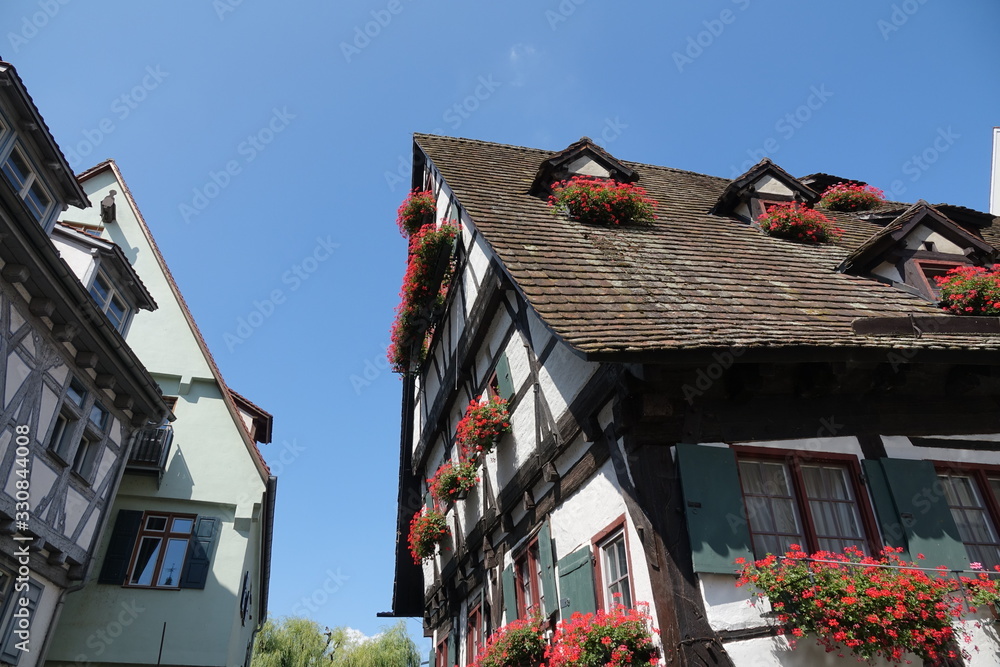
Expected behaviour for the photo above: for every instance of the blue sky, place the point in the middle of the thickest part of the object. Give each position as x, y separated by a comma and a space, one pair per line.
268, 147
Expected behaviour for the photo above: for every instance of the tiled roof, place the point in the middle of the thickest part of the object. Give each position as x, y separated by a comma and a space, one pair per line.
689, 280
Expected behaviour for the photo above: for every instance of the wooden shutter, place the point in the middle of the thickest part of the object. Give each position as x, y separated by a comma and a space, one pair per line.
199, 557
920, 512
509, 593
893, 534
713, 508
120, 547
547, 562
576, 583
505, 384
9, 653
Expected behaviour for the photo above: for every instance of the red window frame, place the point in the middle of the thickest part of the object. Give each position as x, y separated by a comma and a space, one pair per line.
441, 654
527, 580
795, 459
474, 634
599, 542
981, 475
922, 265
166, 535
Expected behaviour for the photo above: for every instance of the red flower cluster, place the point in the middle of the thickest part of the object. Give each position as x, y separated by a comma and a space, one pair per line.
982, 589
416, 211
971, 290
875, 607
846, 197
612, 638
427, 528
520, 643
601, 201
451, 479
425, 286
797, 223
482, 424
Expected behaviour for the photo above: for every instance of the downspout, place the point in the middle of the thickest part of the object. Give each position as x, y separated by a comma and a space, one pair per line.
101, 526
270, 493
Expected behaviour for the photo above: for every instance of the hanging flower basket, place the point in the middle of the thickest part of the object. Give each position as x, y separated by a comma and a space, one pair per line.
847, 197
797, 223
453, 481
520, 643
616, 637
601, 201
971, 290
416, 211
872, 607
425, 287
428, 528
483, 424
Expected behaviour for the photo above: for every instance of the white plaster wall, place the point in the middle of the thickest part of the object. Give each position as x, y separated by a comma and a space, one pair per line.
900, 447
587, 167
920, 234
80, 261
772, 186
564, 373
888, 271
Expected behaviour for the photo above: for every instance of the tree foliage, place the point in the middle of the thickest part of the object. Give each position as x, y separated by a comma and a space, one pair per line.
299, 642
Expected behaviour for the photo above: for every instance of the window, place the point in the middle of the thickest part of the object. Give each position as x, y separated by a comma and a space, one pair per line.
441, 655
91, 443
109, 300
527, 579
23, 597
474, 634
800, 500
21, 176
160, 550
928, 271
614, 582
65, 431
972, 497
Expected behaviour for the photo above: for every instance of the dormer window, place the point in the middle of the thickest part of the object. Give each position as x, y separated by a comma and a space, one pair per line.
581, 158
18, 172
749, 195
110, 301
918, 246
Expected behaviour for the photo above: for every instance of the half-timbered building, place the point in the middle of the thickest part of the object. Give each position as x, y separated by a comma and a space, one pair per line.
688, 392
72, 393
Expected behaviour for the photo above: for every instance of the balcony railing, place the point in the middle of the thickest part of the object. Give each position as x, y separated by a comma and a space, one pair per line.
151, 450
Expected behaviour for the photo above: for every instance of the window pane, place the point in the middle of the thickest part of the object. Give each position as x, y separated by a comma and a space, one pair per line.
156, 522
173, 560
145, 561
99, 416
37, 201
100, 291
975, 526
76, 393
771, 510
16, 170
181, 525
116, 312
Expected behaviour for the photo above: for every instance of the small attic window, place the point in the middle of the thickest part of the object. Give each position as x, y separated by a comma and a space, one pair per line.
930, 270
582, 158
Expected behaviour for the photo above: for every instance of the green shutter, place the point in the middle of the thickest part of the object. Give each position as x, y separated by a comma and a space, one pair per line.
199, 556
549, 604
509, 593
923, 513
119, 553
713, 507
893, 534
432, 659
453, 648
576, 584
505, 384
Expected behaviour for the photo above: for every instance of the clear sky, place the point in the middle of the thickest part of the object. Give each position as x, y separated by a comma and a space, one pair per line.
268, 146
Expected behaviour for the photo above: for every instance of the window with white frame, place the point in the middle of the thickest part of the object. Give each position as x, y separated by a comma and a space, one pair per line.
616, 587
972, 496
22, 177
109, 299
